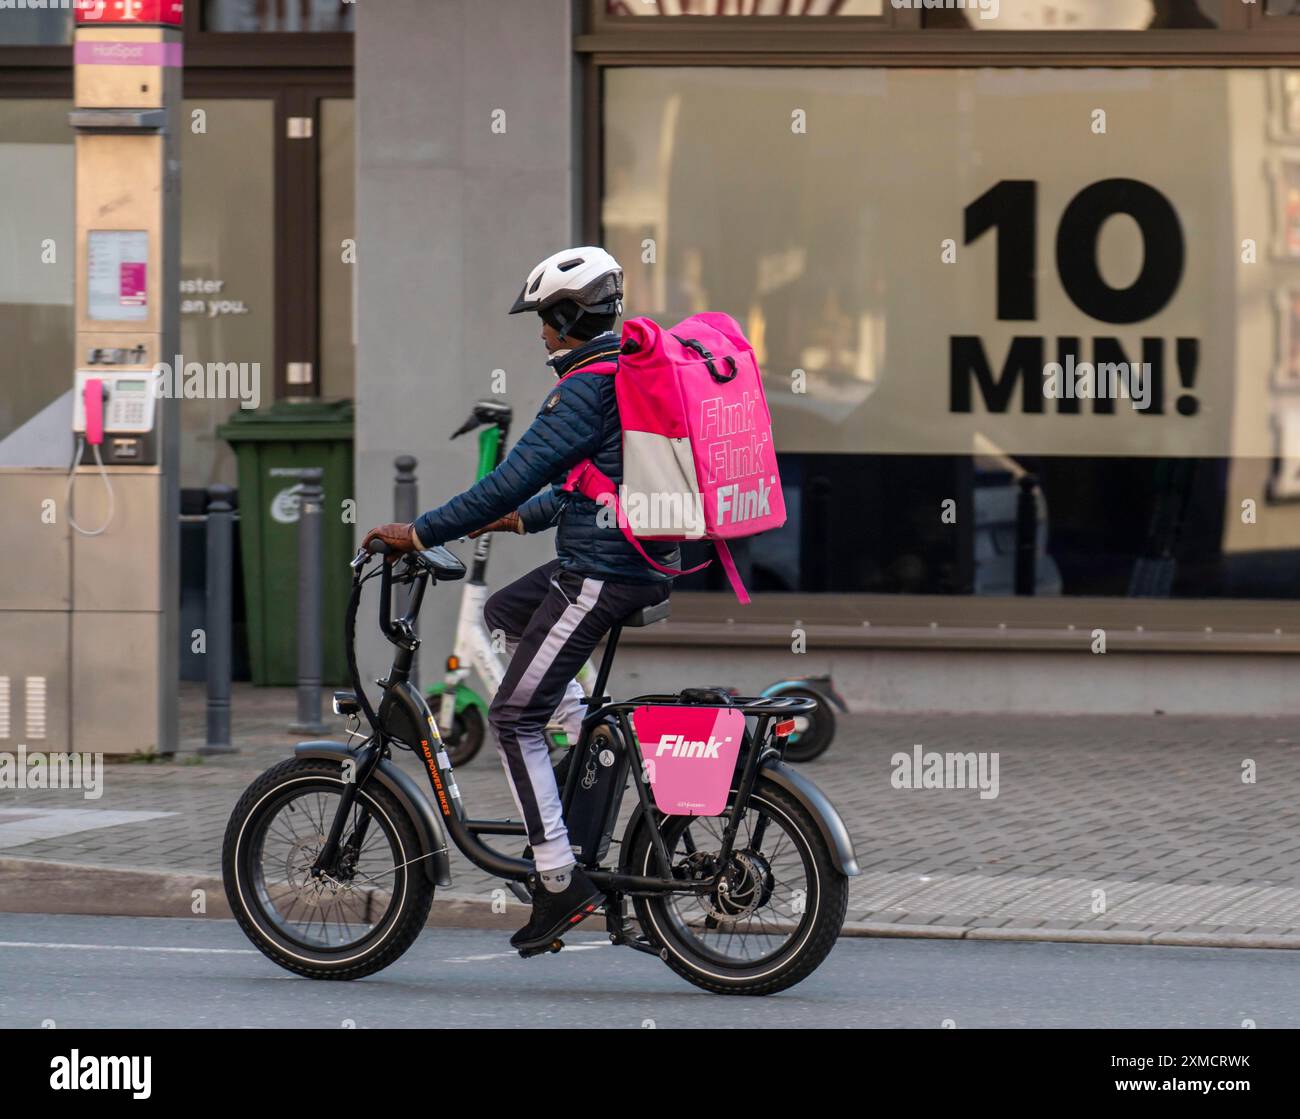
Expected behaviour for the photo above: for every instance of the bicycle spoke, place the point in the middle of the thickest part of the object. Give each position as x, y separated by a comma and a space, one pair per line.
333, 910
755, 916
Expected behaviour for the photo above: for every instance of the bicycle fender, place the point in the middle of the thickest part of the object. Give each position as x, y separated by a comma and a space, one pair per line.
465, 697
819, 684
468, 697
820, 808
433, 840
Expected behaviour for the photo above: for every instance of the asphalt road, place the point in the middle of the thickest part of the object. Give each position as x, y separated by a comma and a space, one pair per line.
123, 972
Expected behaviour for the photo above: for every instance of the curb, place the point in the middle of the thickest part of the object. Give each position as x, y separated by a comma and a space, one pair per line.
1073, 936
42, 886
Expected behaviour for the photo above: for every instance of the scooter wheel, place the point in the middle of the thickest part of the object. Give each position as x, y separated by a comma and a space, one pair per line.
466, 738
813, 739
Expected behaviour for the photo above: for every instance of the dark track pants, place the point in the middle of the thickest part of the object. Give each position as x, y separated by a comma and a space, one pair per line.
556, 617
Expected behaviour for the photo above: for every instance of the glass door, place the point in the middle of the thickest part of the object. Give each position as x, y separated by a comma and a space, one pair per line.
267, 248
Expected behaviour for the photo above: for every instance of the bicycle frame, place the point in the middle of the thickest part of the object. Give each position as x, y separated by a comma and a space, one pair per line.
404, 716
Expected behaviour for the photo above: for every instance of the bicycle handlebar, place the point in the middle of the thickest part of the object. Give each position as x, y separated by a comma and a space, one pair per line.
376, 548
399, 631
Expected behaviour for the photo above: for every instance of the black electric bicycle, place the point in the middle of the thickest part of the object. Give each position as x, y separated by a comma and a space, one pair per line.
331, 858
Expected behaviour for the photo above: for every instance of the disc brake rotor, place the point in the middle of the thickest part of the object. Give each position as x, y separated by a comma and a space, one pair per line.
742, 890
313, 890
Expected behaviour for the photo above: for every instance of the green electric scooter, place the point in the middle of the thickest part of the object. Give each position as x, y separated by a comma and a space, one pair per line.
461, 711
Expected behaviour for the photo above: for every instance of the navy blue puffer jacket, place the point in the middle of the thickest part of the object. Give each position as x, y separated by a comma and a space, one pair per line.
579, 420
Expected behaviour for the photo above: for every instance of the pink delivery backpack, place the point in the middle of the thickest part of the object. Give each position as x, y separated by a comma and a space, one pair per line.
698, 458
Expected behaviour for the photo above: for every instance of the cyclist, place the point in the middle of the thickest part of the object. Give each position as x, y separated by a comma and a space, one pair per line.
553, 617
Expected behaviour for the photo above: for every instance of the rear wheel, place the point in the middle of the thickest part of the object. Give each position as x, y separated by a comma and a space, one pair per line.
350, 922
776, 912
813, 733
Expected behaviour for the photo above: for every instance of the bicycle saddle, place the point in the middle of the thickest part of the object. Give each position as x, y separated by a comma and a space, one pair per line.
647, 615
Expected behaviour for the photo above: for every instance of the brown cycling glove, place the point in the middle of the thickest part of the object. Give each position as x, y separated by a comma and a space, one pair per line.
396, 536
511, 522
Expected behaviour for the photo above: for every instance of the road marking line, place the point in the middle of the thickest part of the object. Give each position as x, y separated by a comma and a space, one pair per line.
515, 954
20, 826
129, 948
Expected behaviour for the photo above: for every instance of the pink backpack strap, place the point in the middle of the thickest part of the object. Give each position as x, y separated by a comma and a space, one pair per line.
587, 480
631, 539
733, 576
604, 367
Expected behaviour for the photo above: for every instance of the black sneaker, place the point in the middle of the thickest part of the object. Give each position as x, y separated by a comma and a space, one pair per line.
556, 913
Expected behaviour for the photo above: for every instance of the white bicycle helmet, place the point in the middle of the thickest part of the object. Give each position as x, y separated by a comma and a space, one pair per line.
586, 276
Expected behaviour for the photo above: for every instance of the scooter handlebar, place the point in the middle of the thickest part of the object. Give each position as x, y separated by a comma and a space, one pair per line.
469, 425
487, 412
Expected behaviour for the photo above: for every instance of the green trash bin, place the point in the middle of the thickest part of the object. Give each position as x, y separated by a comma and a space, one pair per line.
271, 446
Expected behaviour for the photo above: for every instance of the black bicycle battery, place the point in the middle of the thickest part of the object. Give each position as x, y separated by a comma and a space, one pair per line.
593, 793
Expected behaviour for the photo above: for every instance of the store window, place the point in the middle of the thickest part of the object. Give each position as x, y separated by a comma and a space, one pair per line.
37, 251
227, 309
980, 15
338, 248
1075, 340
1069, 15
279, 15
35, 25
745, 7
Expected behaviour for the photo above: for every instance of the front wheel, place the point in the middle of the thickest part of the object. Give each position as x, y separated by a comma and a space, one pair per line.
344, 921
776, 912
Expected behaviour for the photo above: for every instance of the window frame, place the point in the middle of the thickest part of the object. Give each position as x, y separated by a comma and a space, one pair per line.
897, 38
279, 49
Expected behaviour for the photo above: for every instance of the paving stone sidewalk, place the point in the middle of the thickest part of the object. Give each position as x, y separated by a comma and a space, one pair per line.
1106, 825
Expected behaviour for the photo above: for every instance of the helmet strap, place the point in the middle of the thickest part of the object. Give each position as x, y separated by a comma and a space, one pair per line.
562, 328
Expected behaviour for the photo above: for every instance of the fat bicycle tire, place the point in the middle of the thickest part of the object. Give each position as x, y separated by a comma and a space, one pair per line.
412, 889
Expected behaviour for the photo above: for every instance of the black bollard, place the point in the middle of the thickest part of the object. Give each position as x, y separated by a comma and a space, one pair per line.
311, 508
217, 639
1027, 536
405, 492
406, 498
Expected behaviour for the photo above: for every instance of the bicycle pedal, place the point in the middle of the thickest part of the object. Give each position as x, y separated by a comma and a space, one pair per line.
640, 943
554, 946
